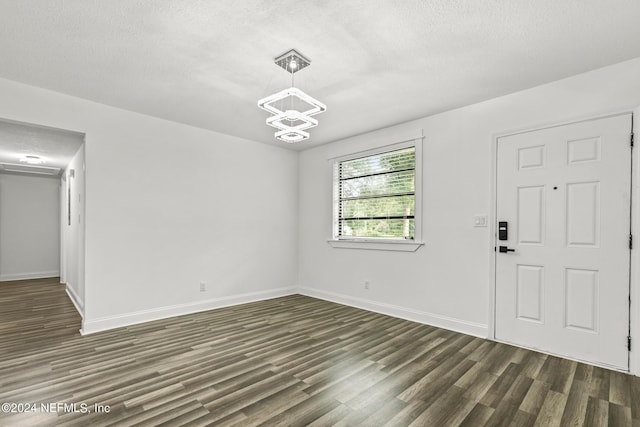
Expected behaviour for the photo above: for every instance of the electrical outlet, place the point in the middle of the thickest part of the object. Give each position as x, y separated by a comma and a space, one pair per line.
203, 287
366, 284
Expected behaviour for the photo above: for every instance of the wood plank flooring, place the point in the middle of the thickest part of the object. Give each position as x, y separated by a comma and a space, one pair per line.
292, 361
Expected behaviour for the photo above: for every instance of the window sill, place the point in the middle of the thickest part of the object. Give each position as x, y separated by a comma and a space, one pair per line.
376, 244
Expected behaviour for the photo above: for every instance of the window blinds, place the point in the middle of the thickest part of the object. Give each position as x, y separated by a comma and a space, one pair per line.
377, 195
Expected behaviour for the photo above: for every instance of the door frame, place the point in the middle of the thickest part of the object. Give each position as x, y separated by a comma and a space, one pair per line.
634, 286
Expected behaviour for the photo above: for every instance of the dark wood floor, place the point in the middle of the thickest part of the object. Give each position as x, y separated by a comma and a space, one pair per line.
287, 361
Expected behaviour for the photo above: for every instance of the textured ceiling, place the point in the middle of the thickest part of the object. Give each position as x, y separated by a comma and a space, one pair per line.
374, 62
55, 147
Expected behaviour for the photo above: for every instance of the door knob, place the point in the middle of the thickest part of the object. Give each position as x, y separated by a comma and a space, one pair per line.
504, 249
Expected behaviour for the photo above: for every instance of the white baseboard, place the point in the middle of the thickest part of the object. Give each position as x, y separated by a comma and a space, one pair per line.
457, 325
27, 276
73, 296
104, 323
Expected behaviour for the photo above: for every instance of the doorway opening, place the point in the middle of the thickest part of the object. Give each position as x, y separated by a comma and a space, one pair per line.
42, 188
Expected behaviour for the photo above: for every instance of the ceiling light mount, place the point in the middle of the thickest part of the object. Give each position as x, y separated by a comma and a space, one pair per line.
32, 160
292, 61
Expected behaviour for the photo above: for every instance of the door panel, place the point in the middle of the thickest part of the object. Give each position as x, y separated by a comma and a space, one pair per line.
531, 157
581, 299
565, 192
530, 292
583, 150
583, 214
531, 214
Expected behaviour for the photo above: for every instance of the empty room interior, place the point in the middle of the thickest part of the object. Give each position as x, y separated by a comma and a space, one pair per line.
316, 213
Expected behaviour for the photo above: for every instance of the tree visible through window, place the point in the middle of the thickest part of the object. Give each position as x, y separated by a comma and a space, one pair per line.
376, 195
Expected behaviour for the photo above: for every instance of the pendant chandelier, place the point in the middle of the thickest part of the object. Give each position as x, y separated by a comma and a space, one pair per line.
292, 123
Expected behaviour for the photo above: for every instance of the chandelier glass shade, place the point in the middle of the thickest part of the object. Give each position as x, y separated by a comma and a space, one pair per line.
292, 123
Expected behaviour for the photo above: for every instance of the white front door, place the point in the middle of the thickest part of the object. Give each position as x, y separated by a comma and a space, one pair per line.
564, 193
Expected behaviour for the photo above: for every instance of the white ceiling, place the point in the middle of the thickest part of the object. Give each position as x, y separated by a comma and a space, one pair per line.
56, 147
374, 62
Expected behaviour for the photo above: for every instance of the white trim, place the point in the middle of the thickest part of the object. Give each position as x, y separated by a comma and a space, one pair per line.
445, 322
377, 245
559, 123
27, 276
61, 227
418, 193
398, 144
634, 354
562, 356
73, 296
110, 322
376, 139
493, 238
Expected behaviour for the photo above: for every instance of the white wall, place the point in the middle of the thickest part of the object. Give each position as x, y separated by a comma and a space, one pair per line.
168, 206
72, 229
447, 282
29, 232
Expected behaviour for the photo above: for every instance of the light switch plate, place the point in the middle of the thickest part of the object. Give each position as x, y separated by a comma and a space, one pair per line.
480, 221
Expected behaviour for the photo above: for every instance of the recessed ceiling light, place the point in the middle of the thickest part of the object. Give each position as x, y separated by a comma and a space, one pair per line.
32, 160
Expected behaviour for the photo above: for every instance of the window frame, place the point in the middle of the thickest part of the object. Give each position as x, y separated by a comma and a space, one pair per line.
380, 243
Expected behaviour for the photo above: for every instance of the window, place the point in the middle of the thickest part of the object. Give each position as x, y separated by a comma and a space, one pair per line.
375, 196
